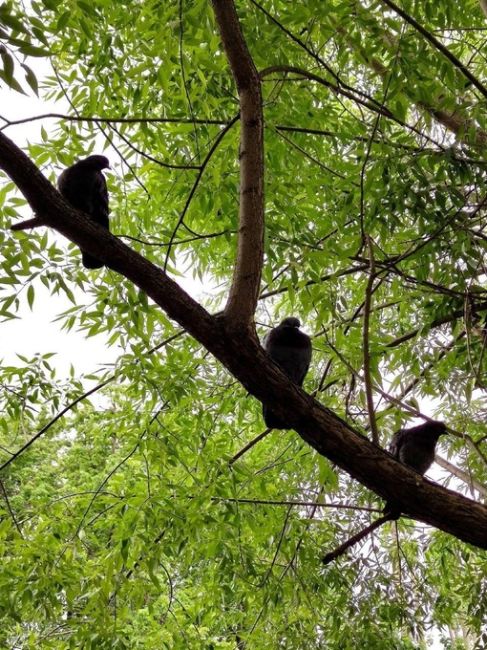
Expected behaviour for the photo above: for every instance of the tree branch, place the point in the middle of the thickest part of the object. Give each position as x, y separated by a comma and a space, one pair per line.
355, 539
248, 446
366, 343
464, 128
189, 198
115, 120
35, 222
439, 46
243, 356
462, 475
244, 291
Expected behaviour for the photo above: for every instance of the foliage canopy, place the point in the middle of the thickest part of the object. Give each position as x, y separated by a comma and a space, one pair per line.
129, 523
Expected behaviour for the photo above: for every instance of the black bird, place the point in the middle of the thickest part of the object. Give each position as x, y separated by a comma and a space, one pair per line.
416, 446
84, 187
290, 349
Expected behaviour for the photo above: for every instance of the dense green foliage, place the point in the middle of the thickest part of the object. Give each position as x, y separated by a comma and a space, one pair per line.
125, 525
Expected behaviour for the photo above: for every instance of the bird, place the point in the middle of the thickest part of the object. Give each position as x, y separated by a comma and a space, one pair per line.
290, 349
416, 446
84, 187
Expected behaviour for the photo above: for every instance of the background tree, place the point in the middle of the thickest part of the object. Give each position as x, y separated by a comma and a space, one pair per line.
137, 511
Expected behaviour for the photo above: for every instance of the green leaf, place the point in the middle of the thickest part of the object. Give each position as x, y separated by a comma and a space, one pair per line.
30, 295
31, 78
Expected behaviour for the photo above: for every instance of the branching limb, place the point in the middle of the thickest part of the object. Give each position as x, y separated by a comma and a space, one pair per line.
336, 88
35, 222
244, 291
244, 358
380, 110
462, 475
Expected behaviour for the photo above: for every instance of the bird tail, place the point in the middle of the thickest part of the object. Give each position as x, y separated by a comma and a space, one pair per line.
90, 262
271, 420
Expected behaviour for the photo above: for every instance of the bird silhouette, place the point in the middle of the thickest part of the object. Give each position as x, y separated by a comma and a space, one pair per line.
83, 186
290, 349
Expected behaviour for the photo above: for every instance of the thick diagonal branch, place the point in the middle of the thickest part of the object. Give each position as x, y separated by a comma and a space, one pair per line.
244, 291
242, 355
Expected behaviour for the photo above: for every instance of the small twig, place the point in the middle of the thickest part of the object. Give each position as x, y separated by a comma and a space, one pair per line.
79, 399
9, 508
317, 58
475, 447
295, 502
462, 475
147, 156
123, 158
324, 278
138, 562
204, 164
115, 120
54, 420
366, 345
35, 222
183, 73
371, 104
398, 548
115, 469
338, 89
340, 550
162, 244
439, 46
248, 446
314, 160
278, 547
457, 313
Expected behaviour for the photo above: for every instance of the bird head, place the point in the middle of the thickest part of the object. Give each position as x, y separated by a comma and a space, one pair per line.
291, 321
96, 162
436, 429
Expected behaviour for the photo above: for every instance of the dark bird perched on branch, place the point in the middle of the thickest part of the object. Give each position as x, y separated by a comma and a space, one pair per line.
290, 349
414, 447
84, 187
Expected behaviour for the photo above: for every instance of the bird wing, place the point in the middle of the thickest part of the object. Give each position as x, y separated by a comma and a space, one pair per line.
99, 203
294, 359
396, 443
76, 188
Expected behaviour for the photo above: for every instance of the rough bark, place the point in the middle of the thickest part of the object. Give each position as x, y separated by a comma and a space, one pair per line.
244, 291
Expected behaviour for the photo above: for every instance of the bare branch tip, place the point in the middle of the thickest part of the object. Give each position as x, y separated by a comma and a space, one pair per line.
35, 222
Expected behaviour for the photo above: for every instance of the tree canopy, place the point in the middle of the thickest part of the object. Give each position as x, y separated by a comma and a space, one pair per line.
323, 160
